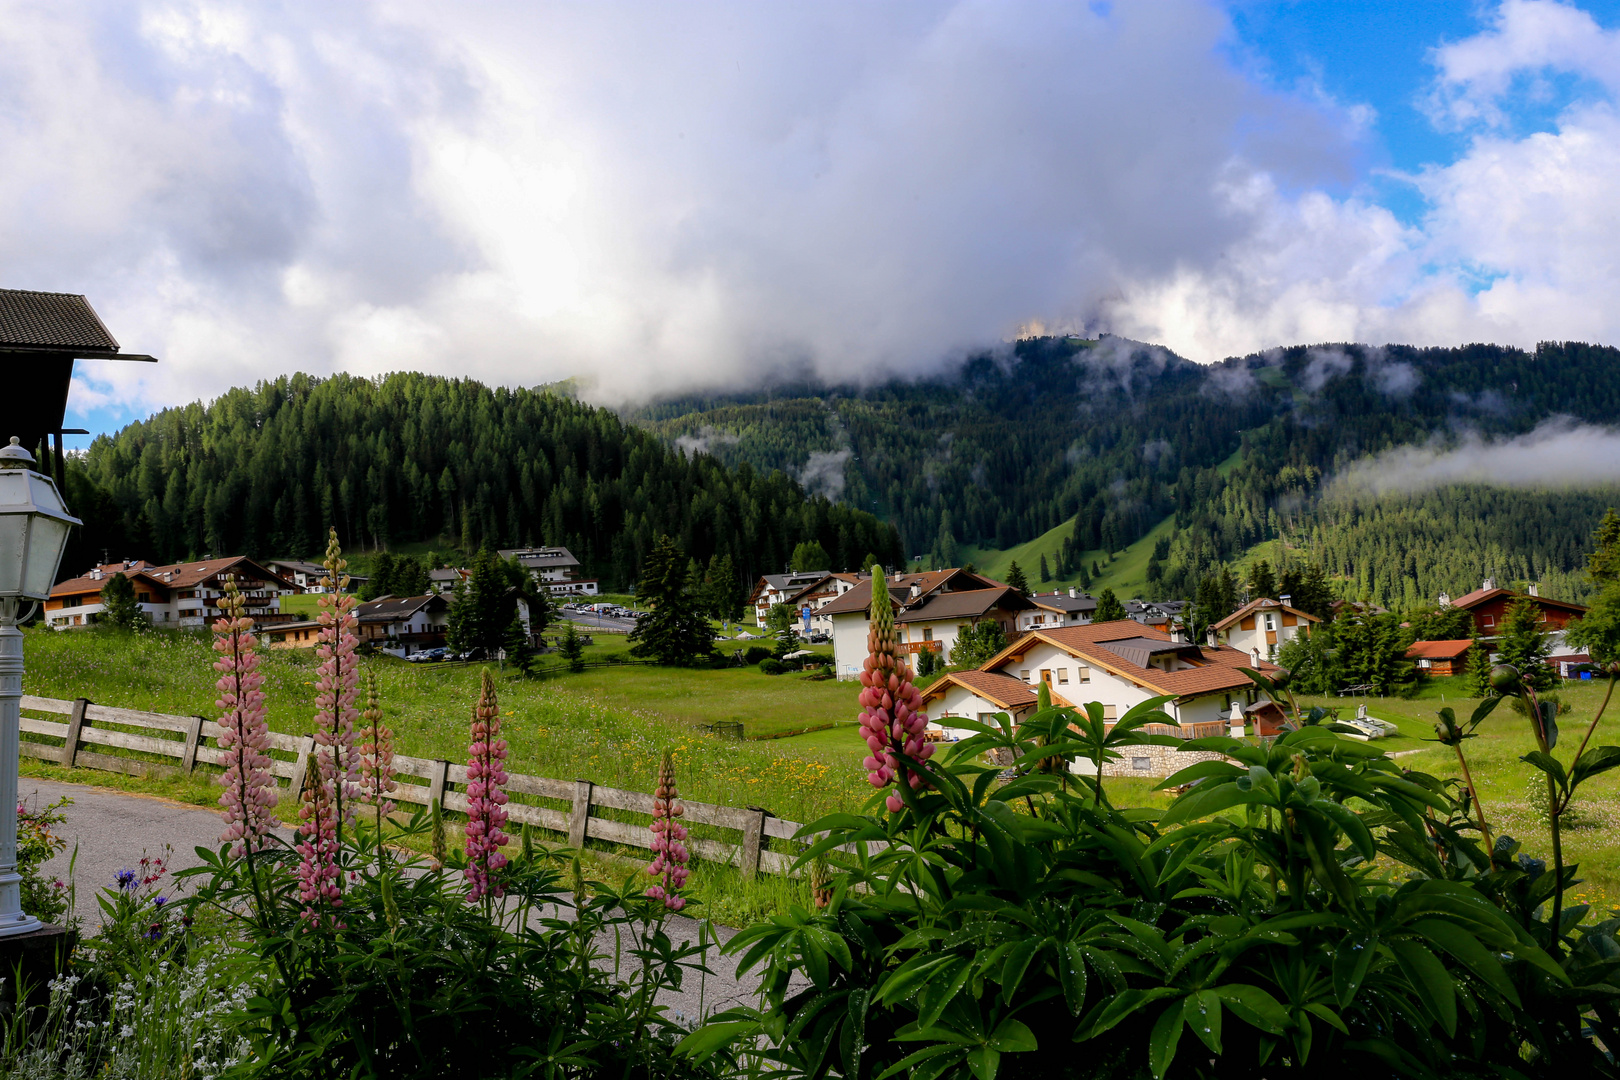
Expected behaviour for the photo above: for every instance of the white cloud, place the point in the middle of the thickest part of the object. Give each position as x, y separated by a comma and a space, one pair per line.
658, 197
1558, 453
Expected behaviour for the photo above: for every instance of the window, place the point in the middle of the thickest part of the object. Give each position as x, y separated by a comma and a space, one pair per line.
1110, 712
1141, 764
928, 633
1490, 620
1024, 674
1085, 674
1271, 622
1063, 676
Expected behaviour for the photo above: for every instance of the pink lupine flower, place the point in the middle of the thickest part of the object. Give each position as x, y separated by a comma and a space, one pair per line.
892, 721
486, 801
376, 754
668, 843
332, 784
336, 687
244, 736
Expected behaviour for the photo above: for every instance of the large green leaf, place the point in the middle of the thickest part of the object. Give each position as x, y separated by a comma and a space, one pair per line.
1351, 961
1162, 1040
1202, 1013
1430, 979
1254, 1007
1466, 948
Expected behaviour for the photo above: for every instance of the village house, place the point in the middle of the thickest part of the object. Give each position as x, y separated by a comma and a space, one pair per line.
1440, 658
1119, 665
1262, 627
773, 589
1488, 605
1057, 608
308, 576
399, 626
930, 610
177, 596
553, 568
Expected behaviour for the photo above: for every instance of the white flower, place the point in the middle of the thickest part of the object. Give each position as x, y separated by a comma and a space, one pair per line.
126, 1032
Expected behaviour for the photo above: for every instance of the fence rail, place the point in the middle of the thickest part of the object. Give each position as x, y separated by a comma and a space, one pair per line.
178, 744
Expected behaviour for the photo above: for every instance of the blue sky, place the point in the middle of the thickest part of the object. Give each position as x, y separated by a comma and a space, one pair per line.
661, 198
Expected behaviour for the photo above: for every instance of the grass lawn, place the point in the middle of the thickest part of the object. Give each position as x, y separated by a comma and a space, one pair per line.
1125, 572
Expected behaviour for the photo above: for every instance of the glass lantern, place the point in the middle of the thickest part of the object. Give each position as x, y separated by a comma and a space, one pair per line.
34, 523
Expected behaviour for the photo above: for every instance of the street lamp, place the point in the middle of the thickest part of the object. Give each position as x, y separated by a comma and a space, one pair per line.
34, 523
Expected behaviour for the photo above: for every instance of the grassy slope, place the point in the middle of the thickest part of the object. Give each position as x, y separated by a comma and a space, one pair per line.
1126, 574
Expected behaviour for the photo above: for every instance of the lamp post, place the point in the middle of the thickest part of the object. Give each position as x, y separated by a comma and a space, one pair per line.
34, 524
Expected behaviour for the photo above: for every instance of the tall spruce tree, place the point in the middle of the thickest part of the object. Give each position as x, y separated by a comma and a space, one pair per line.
1046, 574
515, 645
1017, 580
479, 607
1109, 609
119, 606
1262, 582
674, 632
1524, 645
572, 647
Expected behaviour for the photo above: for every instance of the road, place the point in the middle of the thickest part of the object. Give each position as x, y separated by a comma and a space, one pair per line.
589, 620
111, 830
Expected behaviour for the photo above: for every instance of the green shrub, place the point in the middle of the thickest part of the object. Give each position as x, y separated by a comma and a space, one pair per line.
772, 666
756, 653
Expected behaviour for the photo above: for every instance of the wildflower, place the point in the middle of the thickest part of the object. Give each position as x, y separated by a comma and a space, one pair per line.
125, 879
244, 735
891, 716
486, 801
331, 787
376, 754
669, 853
160, 901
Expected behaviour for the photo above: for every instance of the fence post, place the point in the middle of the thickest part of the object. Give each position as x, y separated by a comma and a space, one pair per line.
438, 775
581, 816
70, 745
753, 838
188, 760
306, 746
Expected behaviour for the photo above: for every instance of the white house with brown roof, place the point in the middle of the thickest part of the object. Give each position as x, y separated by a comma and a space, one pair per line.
1119, 665
929, 610
177, 596
773, 589
1262, 627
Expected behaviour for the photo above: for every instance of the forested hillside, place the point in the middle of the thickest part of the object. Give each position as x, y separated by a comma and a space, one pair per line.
1110, 438
414, 458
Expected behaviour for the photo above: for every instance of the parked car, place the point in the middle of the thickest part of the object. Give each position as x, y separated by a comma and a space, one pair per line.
428, 656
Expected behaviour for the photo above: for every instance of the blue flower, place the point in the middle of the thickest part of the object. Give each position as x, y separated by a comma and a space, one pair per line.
160, 901
125, 879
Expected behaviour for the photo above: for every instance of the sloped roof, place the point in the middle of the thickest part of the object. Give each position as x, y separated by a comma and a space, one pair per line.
1140, 650
52, 322
994, 686
1480, 596
967, 604
393, 608
1216, 668
1062, 601
1438, 650
541, 558
859, 598
1264, 603
173, 576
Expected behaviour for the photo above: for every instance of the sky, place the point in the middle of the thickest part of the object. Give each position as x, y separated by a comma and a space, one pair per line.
656, 198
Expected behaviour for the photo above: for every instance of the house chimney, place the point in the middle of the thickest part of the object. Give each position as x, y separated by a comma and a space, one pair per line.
1071, 592
1490, 583
1285, 599
1445, 600
1531, 589
916, 590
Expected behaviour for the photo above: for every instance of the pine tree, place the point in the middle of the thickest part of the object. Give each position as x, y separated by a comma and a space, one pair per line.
1016, 579
1523, 644
1603, 564
674, 632
479, 608
1085, 577
1109, 609
1045, 574
1262, 582
810, 555
515, 644
572, 647
1479, 667
977, 643
119, 606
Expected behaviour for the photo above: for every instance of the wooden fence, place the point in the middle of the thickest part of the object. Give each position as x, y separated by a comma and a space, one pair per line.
158, 744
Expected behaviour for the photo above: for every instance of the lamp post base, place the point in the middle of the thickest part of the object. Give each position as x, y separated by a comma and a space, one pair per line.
13, 925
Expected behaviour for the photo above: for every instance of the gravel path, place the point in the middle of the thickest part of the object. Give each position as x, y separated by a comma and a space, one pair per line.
112, 829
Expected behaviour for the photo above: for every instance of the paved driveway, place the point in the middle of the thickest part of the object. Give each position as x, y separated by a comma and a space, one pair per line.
112, 829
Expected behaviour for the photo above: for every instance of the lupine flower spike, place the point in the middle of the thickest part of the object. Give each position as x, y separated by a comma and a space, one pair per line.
486, 801
319, 884
376, 755
337, 686
892, 720
669, 839
244, 732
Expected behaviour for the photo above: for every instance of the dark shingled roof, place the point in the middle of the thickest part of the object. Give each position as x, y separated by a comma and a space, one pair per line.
50, 321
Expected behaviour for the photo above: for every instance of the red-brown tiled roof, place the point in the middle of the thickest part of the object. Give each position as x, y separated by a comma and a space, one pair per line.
1219, 668
1480, 596
174, 576
860, 597
994, 686
1438, 650
967, 604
